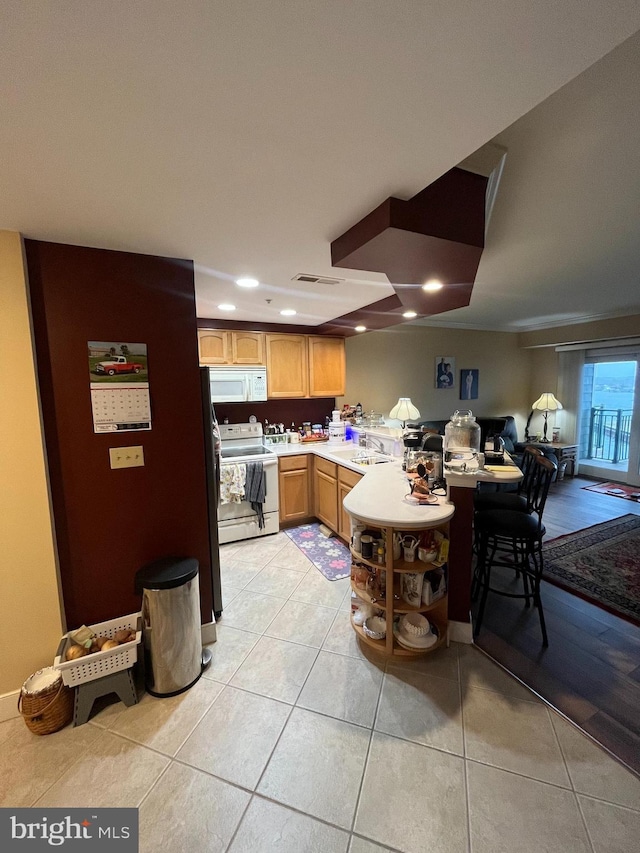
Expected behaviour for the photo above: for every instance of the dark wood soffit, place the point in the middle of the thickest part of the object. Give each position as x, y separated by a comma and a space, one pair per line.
452, 208
251, 326
439, 233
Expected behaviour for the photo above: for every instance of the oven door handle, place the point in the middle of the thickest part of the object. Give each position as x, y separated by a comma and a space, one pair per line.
267, 463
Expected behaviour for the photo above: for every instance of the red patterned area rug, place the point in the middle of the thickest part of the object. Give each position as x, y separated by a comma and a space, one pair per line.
616, 490
600, 564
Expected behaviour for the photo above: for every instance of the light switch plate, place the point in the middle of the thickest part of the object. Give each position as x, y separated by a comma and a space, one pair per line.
126, 457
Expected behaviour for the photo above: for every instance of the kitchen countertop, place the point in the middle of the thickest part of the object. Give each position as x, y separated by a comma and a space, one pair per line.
508, 473
333, 452
379, 497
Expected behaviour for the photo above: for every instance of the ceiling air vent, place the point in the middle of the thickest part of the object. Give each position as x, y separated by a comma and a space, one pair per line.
316, 279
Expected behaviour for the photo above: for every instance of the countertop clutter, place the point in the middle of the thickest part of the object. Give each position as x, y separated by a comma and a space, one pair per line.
344, 454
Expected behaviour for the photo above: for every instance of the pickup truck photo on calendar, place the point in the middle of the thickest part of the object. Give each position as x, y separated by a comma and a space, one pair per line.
119, 383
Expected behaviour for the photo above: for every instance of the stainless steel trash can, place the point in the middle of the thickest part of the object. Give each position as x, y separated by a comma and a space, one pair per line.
170, 624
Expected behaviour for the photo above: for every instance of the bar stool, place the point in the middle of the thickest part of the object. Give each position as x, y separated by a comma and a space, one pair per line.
519, 501
518, 535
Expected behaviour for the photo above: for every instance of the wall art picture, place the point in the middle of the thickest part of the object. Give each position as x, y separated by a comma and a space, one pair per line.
469, 379
445, 371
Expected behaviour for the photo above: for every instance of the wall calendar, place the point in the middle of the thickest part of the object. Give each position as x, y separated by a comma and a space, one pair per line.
119, 382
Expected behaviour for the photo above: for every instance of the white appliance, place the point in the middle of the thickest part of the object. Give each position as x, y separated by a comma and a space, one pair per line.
240, 444
238, 384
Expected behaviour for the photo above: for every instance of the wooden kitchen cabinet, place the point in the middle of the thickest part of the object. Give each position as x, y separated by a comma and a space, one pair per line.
221, 347
326, 366
331, 482
305, 366
295, 488
346, 481
214, 346
325, 492
297, 365
247, 347
287, 366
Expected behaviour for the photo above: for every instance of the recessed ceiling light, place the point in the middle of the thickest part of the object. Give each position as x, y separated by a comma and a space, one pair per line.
361, 328
247, 282
226, 306
288, 312
432, 285
409, 315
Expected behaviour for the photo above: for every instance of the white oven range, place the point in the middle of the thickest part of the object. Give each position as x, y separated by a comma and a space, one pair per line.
240, 444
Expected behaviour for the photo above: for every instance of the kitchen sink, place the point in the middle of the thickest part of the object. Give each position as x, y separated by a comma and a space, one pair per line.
370, 458
364, 457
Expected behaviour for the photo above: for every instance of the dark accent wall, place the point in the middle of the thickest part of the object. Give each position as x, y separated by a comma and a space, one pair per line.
314, 409
111, 522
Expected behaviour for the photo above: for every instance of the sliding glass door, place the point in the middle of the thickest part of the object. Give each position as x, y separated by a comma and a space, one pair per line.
610, 417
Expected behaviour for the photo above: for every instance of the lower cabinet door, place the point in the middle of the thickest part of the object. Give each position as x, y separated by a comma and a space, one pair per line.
326, 499
344, 519
294, 495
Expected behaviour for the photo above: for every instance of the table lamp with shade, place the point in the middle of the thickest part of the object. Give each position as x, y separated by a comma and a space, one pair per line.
546, 403
404, 411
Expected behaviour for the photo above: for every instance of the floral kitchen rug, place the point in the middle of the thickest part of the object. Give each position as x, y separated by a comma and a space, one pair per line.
329, 555
601, 564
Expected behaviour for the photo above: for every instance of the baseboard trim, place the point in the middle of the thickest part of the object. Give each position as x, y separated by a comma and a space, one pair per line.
9, 701
461, 632
9, 706
208, 633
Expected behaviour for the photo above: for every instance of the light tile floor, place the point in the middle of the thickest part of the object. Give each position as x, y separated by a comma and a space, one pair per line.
297, 739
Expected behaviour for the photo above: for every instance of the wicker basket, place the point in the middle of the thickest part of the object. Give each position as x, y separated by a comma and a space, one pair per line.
48, 709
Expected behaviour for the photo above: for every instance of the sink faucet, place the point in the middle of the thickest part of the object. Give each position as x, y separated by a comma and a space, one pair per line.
375, 443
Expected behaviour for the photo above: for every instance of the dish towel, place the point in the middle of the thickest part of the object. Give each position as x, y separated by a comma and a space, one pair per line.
232, 482
256, 489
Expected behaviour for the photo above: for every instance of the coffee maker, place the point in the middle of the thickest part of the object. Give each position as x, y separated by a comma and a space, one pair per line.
431, 446
412, 440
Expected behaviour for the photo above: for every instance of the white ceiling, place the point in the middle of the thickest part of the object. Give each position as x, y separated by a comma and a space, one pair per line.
247, 135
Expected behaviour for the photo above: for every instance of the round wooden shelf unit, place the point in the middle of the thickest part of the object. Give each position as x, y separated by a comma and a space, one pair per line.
392, 604
398, 650
399, 606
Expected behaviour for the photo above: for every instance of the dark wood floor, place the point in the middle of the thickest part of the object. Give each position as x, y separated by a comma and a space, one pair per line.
591, 669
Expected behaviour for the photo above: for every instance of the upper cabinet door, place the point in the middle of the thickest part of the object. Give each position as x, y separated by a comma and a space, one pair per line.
326, 367
287, 373
214, 346
248, 347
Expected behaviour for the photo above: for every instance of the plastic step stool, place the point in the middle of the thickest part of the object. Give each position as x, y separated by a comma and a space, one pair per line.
120, 683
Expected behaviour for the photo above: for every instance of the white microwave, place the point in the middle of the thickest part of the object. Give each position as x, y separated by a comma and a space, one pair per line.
238, 384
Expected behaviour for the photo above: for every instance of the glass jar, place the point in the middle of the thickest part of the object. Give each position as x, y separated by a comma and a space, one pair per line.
461, 443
